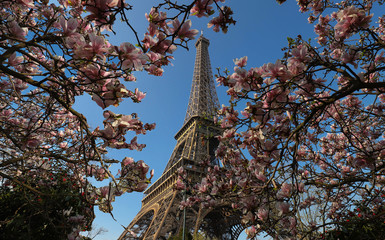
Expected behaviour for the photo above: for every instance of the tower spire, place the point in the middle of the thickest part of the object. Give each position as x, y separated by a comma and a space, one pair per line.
203, 100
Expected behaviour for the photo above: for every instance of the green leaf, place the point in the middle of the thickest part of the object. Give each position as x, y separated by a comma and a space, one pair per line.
290, 41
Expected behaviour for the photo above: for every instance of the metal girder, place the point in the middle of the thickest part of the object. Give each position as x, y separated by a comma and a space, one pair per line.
203, 100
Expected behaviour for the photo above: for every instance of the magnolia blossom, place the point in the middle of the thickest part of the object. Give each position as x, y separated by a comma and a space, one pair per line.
28, 3
96, 46
69, 27
139, 95
16, 31
149, 41
283, 207
239, 79
263, 214
350, 20
131, 56
154, 70
14, 60
240, 62
202, 8
275, 71
222, 21
183, 30
322, 29
285, 191
156, 19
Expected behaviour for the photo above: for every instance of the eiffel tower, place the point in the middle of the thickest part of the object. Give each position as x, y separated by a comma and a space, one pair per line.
160, 216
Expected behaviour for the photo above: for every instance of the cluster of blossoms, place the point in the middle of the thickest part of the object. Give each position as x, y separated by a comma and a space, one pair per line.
54, 51
304, 136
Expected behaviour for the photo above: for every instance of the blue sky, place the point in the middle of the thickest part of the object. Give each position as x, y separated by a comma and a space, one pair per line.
261, 31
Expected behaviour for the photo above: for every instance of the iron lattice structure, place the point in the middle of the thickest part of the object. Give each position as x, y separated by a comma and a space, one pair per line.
160, 216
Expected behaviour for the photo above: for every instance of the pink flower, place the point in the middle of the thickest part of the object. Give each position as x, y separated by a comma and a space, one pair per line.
350, 56
33, 142
221, 21
163, 45
97, 45
156, 19
296, 67
149, 127
100, 9
154, 70
131, 57
93, 73
109, 92
301, 53
98, 101
100, 174
283, 207
139, 95
107, 133
241, 62
127, 161
215, 23
214, 190
285, 191
155, 58
104, 191
262, 214
275, 96
14, 61
140, 187
293, 222
275, 71
202, 8
349, 20
322, 29
129, 78
179, 185
301, 187
69, 27
16, 31
239, 79
260, 176
112, 3
251, 232
6, 113
149, 41
134, 145
183, 31
336, 54
202, 188
63, 145
28, 3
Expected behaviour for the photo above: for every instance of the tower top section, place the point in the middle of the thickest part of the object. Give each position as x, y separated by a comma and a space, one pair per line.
203, 100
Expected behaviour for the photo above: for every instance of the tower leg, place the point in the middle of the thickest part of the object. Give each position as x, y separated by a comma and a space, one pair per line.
196, 228
164, 215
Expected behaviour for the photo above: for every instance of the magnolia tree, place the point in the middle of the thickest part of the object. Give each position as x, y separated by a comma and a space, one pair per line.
50, 53
304, 146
